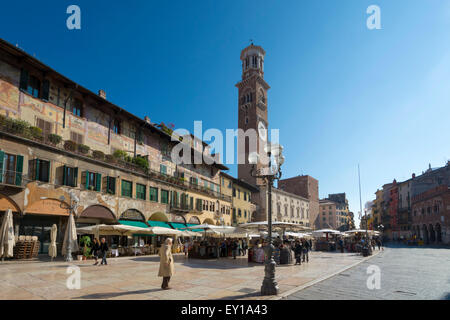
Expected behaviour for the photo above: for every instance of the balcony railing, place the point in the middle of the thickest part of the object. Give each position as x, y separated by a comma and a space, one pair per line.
13, 178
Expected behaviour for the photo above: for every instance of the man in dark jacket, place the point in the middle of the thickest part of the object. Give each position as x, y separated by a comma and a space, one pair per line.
298, 249
306, 251
104, 250
234, 247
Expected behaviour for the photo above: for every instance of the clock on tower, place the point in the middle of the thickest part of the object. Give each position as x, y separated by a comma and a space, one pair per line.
252, 108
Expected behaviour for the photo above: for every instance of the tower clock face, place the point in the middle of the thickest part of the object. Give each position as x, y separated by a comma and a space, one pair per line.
262, 130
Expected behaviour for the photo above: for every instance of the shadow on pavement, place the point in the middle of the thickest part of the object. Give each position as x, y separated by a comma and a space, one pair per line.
115, 294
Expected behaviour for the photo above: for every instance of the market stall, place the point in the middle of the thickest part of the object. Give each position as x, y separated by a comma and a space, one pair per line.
325, 239
127, 231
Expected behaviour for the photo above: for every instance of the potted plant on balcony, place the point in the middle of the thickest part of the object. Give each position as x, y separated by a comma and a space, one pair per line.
36, 133
54, 139
84, 149
70, 145
98, 155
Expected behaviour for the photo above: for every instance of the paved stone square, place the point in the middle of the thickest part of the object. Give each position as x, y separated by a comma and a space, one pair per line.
407, 273
136, 278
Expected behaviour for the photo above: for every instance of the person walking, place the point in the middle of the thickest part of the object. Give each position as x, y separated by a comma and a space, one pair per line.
341, 245
96, 250
234, 248
241, 252
186, 247
244, 247
306, 251
166, 266
298, 249
104, 250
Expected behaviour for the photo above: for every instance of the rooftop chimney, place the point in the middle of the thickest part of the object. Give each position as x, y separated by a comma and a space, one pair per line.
147, 119
102, 93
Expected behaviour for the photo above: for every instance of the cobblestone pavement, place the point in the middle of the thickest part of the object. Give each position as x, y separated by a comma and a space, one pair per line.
136, 278
407, 273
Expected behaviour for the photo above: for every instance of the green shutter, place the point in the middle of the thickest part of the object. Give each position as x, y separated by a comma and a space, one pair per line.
76, 177
24, 79
19, 169
87, 179
98, 182
64, 175
45, 90
48, 172
36, 173
2, 157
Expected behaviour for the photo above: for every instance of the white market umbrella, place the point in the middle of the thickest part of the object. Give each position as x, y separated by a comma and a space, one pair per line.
7, 240
70, 236
52, 251
124, 230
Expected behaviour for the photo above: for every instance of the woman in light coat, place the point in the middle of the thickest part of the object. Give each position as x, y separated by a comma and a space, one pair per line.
166, 267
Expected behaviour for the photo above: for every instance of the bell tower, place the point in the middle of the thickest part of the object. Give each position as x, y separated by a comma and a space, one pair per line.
252, 109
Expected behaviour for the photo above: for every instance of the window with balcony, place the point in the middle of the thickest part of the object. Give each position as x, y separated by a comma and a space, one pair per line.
11, 167
45, 126
76, 137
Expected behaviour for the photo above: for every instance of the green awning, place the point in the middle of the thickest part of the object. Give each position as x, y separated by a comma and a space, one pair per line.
195, 230
159, 224
178, 226
139, 224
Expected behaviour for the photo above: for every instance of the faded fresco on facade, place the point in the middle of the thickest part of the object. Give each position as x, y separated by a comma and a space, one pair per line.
9, 97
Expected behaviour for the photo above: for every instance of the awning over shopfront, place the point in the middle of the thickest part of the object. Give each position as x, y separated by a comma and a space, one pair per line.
195, 230
139, 224
178, 226
159, 224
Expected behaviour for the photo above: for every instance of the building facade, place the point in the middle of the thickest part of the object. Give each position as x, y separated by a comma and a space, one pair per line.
57, 137
342, 211
328, 218
306, 187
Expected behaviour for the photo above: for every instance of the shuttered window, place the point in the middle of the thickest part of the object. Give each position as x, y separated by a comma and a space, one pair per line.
111, 185
199, 205
127, 188
164, 196
45, 90
39, 170
70, 176
45, 126
2, 162
77, 108
140, 191
76, 137
163, 169
92, 181
154, 194
34, 86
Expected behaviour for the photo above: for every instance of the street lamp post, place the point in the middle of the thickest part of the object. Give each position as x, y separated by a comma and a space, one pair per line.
269, 285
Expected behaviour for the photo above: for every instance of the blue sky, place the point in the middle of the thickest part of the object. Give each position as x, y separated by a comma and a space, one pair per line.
341, 94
